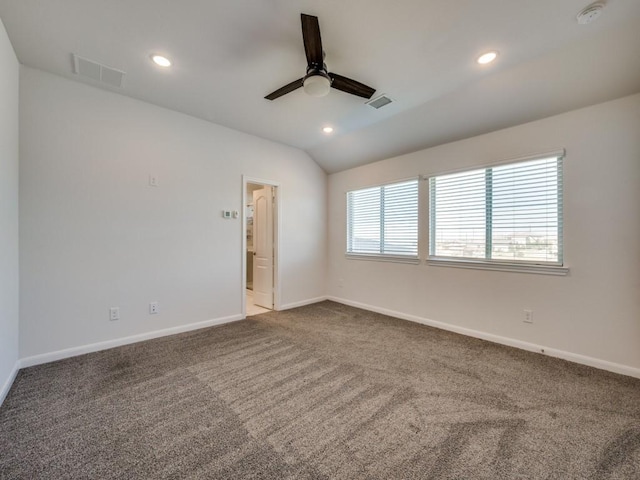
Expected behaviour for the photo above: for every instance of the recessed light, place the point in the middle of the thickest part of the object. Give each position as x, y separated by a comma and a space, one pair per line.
487, 57
327, 129
160, 60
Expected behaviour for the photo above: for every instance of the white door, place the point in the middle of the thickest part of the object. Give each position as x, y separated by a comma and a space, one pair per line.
263, 247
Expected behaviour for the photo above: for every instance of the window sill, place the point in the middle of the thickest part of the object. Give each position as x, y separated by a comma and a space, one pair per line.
502, 267
383, 258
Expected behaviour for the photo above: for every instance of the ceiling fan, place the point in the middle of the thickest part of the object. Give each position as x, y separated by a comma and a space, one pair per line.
317, 82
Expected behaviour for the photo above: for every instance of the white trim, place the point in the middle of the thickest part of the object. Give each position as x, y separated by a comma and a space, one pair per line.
302, 303
4, 391
502, 267
511, 342
96, 347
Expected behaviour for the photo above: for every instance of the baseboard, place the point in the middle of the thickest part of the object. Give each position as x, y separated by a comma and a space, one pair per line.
4, 391
302, 303
511, 342
95, 347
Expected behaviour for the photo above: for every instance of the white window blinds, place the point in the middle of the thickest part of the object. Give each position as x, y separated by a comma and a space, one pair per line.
508, 213
383, 220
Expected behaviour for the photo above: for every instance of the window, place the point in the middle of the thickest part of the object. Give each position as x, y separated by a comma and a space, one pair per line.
383, 221
506, 214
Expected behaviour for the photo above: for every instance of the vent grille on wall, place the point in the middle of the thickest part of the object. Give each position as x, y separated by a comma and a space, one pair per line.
379, 102
98, 72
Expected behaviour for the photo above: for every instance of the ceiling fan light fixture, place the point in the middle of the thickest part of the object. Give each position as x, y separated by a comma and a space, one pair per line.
317, 85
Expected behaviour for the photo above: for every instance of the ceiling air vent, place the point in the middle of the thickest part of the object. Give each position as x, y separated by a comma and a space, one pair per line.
379, 102
98, 72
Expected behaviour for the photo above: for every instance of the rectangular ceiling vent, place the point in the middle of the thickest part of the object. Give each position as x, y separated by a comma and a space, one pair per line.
98, 72
379, 102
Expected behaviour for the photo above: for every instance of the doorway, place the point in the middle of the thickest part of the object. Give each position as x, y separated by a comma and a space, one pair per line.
260, 246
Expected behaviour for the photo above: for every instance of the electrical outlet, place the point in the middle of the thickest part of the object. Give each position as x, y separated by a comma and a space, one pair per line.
528, 316
114, 313
153, 180
340, 282
153, 308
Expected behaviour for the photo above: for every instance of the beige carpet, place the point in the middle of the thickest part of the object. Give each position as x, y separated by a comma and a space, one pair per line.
324, 391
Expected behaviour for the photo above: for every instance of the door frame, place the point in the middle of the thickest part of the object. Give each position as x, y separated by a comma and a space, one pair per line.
276, 240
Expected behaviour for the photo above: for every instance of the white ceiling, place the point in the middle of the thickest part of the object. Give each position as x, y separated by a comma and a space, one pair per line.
228, 54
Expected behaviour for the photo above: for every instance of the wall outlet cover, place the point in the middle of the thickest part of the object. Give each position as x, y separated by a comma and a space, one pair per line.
153, 308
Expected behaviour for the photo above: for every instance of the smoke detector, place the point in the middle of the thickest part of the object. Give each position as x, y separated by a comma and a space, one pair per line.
590, 13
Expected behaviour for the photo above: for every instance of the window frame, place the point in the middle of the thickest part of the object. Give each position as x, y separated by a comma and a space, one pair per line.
385, 257
523, 266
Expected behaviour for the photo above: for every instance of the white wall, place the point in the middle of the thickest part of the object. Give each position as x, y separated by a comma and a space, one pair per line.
8, 212
95, 235
595, 311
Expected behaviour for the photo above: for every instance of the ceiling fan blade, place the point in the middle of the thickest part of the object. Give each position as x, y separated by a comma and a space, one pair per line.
284, 90
351, 86
312, 40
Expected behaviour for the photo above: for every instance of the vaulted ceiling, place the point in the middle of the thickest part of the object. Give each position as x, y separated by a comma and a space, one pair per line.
228, 54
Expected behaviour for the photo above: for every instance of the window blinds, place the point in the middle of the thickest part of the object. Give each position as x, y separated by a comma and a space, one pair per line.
508, 213
383, 220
